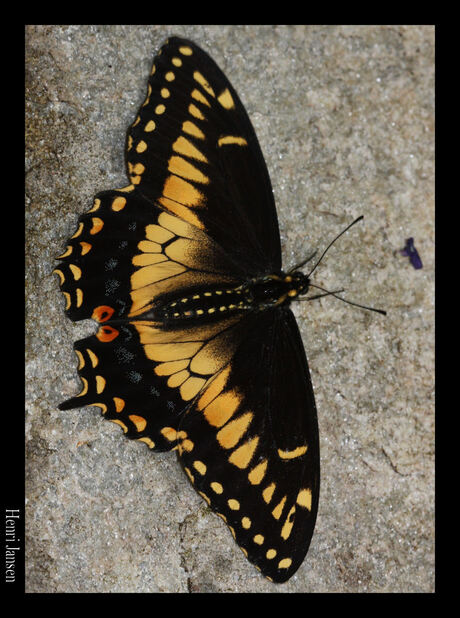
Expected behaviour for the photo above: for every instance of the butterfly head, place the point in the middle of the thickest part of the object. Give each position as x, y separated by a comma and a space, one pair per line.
277, 289
298, 283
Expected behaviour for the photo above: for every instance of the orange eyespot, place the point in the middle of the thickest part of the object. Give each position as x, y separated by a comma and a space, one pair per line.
107, 334
102, 313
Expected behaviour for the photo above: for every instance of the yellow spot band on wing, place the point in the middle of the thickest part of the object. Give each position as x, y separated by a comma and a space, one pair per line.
60, 274
100, 384
183, 146
233, 431
97, 226
185, 50
200, 467
215, 387
194, 111
76, 271
267, 493
222, 408
226, 100
198, 96
288, 524
179, 190
169, 433
191, 128
257, 474
279, 508
94, 359
122, 425
84, 390
85, 247
181, 167
203, 83
241, 457
150, 443
118, 203
304, 498
66, 253
217, 487
81, 360
168, 368
181, 211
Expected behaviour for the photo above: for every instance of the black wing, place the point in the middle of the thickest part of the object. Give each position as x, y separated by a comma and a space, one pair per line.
192, 149
249, 444
125, 256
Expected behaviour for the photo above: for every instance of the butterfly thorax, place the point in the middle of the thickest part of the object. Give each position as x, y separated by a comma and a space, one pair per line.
256, 294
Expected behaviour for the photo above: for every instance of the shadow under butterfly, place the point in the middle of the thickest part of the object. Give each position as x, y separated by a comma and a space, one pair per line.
197, 349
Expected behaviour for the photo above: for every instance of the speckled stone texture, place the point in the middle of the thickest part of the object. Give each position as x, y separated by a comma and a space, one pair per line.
345, 118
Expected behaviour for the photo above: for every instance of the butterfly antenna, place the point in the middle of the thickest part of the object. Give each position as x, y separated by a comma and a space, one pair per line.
303, 262
349, 302
331, 243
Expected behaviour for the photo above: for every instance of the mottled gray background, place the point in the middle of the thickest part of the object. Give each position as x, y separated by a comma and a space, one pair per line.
345, 118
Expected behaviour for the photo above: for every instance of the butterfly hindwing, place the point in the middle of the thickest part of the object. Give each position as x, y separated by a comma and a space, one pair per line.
125, 257
251, 445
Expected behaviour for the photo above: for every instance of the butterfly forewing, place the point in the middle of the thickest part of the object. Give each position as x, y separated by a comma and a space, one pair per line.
182, 359
189, 142
249, 444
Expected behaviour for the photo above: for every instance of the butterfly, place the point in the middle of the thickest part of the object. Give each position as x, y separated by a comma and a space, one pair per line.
197, 349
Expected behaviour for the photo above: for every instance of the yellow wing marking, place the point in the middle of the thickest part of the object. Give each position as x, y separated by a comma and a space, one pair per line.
139, 422
164, 264
304, 498
233, 431
288, 524
185, 147
173, 353
179, 166
203, 83
222, 408
226, 100
297, 452
232, 139
267, 493
185, 50
257, 474
241, 456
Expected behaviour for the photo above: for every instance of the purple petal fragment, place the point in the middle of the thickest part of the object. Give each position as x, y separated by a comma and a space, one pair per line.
411, 252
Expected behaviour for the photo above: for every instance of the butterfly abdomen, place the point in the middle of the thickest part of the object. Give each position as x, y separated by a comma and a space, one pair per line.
254, 295
203, 304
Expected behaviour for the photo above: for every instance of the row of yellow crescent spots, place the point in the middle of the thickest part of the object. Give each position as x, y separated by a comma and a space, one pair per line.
303, 498
118, 203
246, 522
228, 440
180, 195
139, 422
218, 408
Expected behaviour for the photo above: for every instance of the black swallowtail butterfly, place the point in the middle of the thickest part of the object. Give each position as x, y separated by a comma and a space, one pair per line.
197, 349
